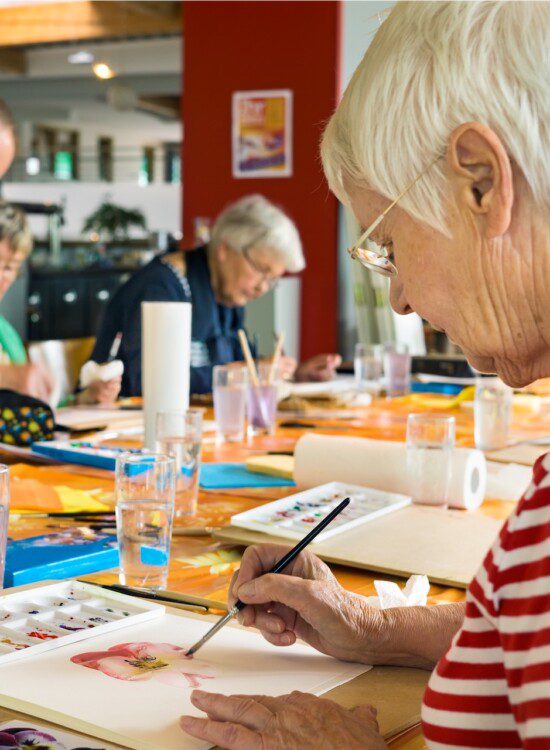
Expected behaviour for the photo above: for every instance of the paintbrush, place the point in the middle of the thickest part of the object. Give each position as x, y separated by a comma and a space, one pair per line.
283, 562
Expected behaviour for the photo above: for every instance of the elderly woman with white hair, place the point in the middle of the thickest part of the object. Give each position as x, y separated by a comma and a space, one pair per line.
441, 146
253, 244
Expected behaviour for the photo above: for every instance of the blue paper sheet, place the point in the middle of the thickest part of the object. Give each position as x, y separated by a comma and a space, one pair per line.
231, 476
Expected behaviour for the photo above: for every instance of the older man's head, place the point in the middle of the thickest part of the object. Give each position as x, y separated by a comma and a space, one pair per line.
253, 244
7, 138
463, 87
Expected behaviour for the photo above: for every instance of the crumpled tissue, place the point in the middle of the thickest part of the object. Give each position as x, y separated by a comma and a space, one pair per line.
91, 372
414, 593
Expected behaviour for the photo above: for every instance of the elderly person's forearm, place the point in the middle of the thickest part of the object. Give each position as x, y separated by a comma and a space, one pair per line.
415, 636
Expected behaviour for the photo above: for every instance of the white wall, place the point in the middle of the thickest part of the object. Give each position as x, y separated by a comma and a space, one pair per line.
160, 202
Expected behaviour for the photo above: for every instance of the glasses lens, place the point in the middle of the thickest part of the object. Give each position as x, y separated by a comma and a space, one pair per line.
375, 262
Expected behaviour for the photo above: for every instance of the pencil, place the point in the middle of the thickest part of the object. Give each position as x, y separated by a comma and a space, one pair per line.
283, 562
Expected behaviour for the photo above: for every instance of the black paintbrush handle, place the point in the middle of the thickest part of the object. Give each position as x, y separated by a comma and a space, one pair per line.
303, 543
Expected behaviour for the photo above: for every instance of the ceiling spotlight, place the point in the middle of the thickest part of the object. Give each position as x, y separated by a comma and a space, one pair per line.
82, 57
103, 71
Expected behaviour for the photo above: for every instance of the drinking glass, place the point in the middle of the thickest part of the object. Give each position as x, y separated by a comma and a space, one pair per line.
179, 434
430, 443
397, 369
368, 366
4, 516
145, 487
492, 413
262, 401
229, 386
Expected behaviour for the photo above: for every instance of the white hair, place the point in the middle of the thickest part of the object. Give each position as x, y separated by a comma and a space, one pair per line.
254, 221
431, 67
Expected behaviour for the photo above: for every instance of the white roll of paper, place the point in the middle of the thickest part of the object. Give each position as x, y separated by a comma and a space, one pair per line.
382, 464
165, 360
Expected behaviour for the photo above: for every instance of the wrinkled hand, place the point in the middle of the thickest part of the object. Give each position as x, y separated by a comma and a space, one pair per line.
319, 368
306, 602
101, 392
289, 722
32, 379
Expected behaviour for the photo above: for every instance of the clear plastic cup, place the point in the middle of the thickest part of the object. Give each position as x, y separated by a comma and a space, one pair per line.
368, 366
492, 413
430, 444
229, 388
397, 369
179, 434
145, 486
261, 406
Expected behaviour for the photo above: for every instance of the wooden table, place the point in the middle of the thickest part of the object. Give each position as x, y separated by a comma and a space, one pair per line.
203, 567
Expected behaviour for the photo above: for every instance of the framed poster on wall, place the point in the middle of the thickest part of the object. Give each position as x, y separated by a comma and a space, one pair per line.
262, 133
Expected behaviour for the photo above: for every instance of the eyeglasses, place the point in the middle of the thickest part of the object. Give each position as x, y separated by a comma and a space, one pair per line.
265, 277
380, 261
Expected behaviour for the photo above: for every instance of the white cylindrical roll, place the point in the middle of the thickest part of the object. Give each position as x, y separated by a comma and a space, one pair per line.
165, 360
382, 464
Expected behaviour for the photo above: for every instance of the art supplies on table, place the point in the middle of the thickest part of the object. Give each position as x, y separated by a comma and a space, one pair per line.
383, 464
85, 418
50, 489
63, 554
49, 617
235, 475
27, 734
446, 545
131, 686
272, 465
83, 452
293, 516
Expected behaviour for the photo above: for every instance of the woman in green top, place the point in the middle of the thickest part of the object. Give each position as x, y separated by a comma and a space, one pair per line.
16, 372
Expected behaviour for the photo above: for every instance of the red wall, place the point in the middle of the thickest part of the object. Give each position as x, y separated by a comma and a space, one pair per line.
231, 46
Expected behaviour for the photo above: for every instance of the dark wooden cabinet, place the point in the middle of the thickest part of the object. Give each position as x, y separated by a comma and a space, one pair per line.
70, 305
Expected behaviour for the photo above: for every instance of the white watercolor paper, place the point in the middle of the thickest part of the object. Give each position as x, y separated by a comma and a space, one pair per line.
143, 712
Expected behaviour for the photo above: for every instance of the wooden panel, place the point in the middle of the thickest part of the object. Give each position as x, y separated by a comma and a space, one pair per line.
13, 60
446, 545
91, 19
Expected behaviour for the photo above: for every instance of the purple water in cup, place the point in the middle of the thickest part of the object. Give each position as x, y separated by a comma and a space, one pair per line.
397, 370
261, 402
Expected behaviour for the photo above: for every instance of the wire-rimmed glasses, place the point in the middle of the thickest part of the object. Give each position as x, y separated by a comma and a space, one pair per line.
380, 261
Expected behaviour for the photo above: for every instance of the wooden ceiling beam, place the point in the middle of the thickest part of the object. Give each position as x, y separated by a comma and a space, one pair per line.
13, 60
49, 23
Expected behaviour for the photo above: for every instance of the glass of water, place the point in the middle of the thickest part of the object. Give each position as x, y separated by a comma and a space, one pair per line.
229, 387
145, 486
397, 369
368, 366
179, 434
430, 443
492, 413
4, 516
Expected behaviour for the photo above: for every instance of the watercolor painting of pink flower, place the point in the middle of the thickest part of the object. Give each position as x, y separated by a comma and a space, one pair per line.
136, 662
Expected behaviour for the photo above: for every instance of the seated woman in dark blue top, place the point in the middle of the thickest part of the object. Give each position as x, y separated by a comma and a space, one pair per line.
253, 244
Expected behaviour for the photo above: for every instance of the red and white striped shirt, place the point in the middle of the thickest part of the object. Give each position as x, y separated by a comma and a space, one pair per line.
492, 687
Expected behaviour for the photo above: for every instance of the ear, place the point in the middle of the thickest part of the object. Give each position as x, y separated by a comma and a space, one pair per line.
221, 252
482, 169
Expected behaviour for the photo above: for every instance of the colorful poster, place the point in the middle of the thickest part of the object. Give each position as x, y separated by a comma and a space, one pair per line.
262, 133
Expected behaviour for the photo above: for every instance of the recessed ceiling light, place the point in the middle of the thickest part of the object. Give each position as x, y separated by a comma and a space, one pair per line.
82, 57
103, 71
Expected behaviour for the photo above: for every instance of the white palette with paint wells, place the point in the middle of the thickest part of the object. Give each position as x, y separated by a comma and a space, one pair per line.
47, 617
294, 516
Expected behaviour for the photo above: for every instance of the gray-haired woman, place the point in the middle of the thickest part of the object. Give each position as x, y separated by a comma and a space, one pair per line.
441, 146
253, 244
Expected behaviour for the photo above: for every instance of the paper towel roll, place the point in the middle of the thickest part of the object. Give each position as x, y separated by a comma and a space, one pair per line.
382, 464
165, 360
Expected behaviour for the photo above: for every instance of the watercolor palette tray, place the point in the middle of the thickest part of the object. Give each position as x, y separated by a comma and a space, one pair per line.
295, 515
39, 619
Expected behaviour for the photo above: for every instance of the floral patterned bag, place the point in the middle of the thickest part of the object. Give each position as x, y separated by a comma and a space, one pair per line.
23, 419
